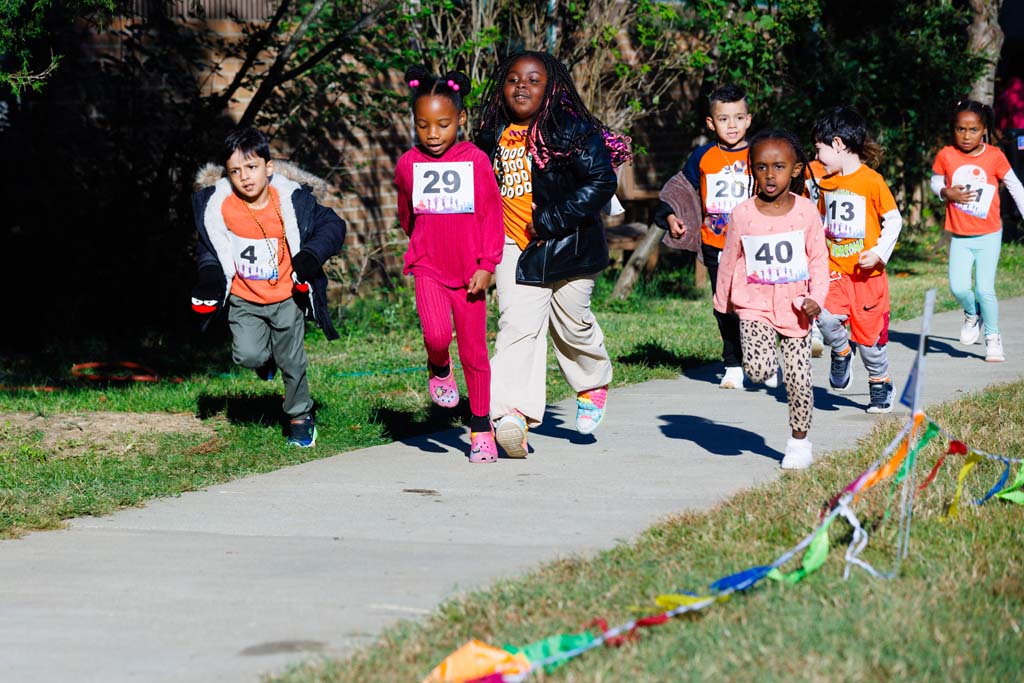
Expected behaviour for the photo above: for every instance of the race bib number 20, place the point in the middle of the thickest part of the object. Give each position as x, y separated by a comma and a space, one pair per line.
775, 259
442, 187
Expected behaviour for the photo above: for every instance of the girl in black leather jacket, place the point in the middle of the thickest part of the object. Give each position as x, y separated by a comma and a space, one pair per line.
555, 166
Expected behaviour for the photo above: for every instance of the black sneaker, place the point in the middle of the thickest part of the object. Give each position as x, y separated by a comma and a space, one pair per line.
267, 371
881, 395
839, 373
302, 432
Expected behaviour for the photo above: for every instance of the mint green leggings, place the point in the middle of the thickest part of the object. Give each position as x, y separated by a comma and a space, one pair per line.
964, 254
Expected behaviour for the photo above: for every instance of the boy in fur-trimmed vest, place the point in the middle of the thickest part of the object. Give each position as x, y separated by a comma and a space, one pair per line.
263, 240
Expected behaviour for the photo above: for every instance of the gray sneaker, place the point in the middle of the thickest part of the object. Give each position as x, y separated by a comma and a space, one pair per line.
841, 370
880, 396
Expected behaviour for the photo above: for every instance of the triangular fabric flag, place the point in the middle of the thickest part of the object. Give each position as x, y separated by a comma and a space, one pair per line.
930, 432
814, 557
999, 484
540, 650
1013, 492
475, 660
954, 507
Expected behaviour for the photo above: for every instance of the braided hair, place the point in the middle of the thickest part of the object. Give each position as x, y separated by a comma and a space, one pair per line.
454, 85
850, 127
560, 98
984, 112
796, 185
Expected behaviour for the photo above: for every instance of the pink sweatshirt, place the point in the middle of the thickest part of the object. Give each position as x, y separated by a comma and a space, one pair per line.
779, 305
451, 247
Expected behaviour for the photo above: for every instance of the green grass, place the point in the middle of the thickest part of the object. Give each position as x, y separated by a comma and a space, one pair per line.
367, 386
955, 612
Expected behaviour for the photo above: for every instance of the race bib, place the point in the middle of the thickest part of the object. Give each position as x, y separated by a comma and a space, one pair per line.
725, 191
974, 179
775, 259
442, 187
813, 191
254, 259
845, 215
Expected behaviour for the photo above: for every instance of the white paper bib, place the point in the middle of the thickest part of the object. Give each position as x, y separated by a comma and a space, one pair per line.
725, 191
846, 215
775, 259
442, 187
974, 179
254, 259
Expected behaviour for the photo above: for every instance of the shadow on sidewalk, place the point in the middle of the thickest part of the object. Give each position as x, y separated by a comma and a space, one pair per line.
936, 345
720, 439
439, 431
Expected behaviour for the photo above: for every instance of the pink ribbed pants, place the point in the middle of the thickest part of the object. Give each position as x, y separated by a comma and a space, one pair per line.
437, 306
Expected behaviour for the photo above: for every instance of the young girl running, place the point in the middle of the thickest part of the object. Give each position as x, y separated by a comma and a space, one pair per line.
449, 206
862, 224
554, 161
774, 274
967, 176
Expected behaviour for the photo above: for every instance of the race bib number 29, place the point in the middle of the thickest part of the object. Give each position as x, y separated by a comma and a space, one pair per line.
775, 259
442, 187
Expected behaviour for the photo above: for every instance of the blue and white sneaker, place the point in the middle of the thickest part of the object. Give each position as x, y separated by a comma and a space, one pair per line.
302, 432
841, 370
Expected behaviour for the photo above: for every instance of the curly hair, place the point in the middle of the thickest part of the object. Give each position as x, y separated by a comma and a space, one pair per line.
796, 185
560, 98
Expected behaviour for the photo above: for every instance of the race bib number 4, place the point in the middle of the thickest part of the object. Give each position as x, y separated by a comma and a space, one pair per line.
974, 179
725, 191
254, 259
442, 187
775, 259
845, 215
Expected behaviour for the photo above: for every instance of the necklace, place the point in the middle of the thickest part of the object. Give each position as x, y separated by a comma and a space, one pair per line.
270, 247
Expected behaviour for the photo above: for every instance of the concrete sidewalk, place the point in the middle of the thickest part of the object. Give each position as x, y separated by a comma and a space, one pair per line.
247, 577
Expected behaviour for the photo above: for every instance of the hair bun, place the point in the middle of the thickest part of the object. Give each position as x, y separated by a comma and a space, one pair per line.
416, 74
459, 82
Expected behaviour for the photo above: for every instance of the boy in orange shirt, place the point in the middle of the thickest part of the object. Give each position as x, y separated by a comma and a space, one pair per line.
263, 240
862, 224
718, 171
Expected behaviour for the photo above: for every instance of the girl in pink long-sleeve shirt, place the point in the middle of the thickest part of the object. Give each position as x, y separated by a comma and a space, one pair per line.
450, 207
773, 273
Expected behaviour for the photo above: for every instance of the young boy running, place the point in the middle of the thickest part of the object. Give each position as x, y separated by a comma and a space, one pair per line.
263, 240
718, 171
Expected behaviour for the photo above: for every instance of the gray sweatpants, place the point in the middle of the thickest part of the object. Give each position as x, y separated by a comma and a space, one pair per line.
834, 333
259, 330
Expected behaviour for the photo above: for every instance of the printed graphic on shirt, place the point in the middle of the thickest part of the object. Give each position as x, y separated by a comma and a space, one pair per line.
442, 187
974, 179
775, 259
517, 179
845, 215
255, 259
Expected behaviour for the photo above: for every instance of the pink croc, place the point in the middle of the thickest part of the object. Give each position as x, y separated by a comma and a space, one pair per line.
443, 390
482, 447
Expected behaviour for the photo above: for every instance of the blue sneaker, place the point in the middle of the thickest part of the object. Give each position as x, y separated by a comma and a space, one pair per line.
839, 373
302, 432
267, 371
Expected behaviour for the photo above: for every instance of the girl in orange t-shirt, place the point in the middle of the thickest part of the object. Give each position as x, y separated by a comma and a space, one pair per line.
966, 176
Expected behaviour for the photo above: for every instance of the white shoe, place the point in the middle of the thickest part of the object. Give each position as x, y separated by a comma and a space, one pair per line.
971, 329
994, 348
773, 380
733, 378
510, 433
817, 341
798, 454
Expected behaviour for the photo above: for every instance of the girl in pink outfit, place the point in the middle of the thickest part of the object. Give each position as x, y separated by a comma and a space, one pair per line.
773, 273
449, 206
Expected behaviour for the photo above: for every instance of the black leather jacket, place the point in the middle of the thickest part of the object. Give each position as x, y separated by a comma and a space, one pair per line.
569, 199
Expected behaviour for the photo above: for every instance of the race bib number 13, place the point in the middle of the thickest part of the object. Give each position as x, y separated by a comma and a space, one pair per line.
846, 215
775, 259
442, 187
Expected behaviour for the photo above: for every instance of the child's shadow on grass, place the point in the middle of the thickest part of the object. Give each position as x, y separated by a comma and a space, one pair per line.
438, 432
656, 355
716, 438
261, 410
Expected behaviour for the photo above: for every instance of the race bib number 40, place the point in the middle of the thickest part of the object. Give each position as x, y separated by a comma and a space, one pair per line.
442, 187
725, 191
974, 179
775, 259
845, 215
254, 259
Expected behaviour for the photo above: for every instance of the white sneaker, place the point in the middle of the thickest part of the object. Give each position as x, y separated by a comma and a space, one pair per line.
773, 381
994, 348
817, 341
971, 329
798, 454
733, 378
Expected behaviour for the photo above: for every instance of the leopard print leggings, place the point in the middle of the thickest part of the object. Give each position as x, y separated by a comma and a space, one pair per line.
760, 362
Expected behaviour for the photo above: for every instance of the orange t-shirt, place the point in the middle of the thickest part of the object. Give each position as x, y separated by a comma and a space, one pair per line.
981, 173
263, 264
724, 183
852, 206
516, 179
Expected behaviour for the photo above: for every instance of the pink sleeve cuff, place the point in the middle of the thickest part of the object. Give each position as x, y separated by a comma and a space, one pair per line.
486, 264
